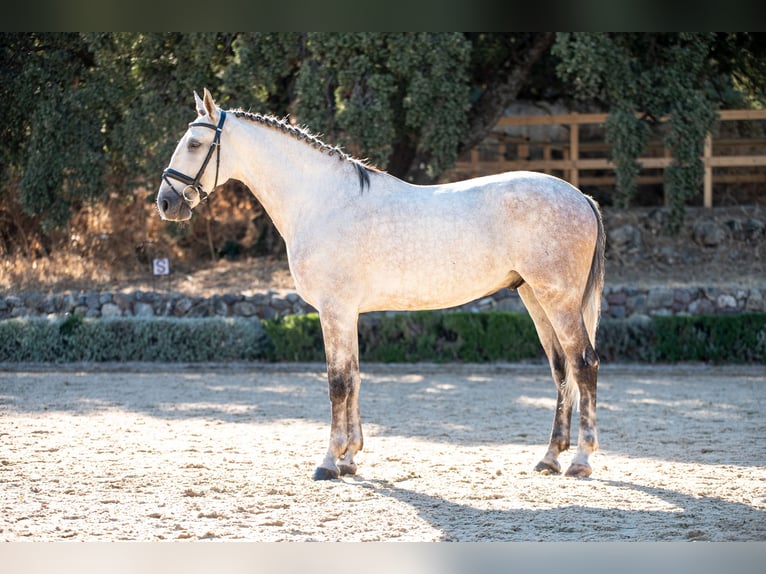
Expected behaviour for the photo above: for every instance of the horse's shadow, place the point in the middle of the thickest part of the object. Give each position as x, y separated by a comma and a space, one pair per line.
699, 518
470, 411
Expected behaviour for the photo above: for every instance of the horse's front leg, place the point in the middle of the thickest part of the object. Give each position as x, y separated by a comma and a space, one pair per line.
342, 350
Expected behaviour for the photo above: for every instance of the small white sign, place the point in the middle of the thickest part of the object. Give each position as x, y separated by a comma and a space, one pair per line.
161, 266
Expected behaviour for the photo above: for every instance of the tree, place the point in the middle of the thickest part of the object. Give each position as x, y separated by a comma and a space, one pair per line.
410, 102
740, 60
47, 126
503, 66
645, 78
84, 113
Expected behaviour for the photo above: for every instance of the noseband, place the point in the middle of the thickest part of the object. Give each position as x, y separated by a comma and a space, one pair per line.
193, 190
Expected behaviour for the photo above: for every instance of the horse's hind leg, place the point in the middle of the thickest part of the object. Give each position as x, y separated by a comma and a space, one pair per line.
581, 364
562, 417
342, 350
562, 308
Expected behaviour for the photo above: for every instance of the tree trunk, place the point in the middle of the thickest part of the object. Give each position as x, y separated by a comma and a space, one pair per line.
498, 95
408, 163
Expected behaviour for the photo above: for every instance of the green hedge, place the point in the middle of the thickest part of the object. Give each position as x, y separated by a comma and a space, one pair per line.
131, 339
295, 338
443, 337
499, 336
718, 339
410, 337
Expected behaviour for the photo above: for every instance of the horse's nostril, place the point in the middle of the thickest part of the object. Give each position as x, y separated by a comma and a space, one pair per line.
165, 205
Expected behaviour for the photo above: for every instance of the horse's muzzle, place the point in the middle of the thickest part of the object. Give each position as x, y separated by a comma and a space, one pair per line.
172, 206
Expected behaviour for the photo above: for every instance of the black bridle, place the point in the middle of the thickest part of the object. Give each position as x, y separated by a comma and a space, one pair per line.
193, 191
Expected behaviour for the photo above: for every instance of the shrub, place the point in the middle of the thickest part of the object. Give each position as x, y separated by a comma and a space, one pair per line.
630, 339
405, 337
131, 339
714, 338
295, 338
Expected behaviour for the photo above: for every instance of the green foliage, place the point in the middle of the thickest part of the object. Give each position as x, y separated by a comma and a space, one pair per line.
442, 337
628, 135
630, 339
691, 120
376, 93
742, 66
70, 324
262, 70
147, 80
418, 336
295, 338
644, 78
715, 339
85, 114
24, 340
51, 128
494, 336
403, 337
387, 91
131, 339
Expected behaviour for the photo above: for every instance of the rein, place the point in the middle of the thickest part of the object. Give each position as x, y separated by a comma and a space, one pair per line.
193, 192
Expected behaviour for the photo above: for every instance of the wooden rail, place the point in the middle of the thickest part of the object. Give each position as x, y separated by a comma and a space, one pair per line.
572, 163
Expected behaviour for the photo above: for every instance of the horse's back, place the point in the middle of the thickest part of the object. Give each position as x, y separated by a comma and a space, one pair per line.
425, 247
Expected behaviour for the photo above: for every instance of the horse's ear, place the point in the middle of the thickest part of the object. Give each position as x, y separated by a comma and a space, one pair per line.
199, 104
209, 104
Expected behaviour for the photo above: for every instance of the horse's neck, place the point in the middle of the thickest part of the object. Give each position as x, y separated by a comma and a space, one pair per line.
288, 176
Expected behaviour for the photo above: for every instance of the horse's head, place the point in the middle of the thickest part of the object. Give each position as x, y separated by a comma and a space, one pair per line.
191, 175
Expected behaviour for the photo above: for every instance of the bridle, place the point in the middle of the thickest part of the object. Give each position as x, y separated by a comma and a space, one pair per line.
193, 193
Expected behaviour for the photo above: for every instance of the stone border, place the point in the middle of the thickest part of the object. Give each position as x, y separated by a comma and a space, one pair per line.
617, 302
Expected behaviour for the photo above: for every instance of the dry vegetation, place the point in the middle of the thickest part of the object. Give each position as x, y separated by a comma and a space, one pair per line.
109, 246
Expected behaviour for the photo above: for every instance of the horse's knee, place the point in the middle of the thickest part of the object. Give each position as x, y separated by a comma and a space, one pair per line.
340, 387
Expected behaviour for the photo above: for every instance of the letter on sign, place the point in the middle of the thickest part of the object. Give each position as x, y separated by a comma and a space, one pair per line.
161, 266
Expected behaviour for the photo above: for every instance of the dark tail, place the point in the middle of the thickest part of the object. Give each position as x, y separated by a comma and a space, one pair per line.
591, 304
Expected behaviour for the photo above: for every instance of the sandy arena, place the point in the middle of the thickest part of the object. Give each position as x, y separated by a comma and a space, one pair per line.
148, 452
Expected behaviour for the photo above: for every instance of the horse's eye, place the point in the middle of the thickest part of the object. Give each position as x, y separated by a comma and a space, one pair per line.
194, 144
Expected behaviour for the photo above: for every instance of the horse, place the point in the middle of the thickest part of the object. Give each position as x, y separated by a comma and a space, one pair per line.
361, 240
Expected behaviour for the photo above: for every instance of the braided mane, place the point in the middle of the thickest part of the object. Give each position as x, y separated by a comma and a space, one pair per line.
302, 134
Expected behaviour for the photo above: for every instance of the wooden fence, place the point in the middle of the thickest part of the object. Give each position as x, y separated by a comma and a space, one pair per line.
572, 156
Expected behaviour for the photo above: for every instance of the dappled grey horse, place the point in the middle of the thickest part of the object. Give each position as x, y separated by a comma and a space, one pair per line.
361, 240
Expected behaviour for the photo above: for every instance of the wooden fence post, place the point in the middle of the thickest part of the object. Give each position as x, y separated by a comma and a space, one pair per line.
574, 151
707, 193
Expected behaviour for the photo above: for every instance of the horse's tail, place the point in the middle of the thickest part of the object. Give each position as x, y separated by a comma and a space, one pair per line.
591, 304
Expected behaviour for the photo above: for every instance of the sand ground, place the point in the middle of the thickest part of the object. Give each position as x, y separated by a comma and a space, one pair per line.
143, 452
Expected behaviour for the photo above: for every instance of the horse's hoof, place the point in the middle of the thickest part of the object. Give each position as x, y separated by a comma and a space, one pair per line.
579, 470
326, 473
347, 468
548, 467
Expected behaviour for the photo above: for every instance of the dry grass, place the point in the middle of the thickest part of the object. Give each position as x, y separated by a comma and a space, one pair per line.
62, 271
72, 272
110, 246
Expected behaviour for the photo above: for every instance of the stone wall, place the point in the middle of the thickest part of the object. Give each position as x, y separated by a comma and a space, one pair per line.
617, 302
